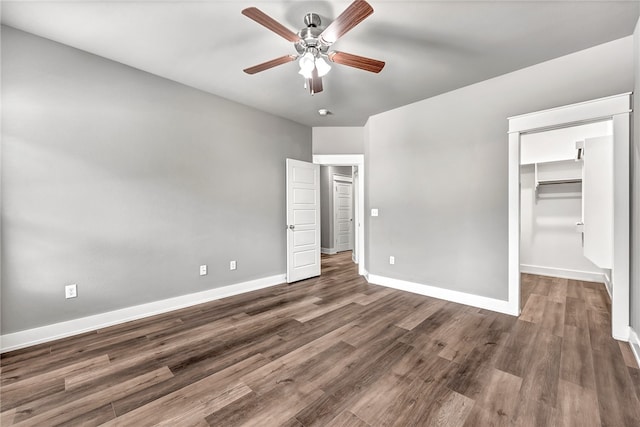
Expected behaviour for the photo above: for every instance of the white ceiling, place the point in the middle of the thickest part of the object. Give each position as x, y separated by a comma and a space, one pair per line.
429, 47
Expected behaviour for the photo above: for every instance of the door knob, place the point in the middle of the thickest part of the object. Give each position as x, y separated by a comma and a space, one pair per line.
291, 227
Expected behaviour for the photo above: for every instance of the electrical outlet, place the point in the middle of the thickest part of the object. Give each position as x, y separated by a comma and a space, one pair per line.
232, 265
203, 270
392, 260
70, 291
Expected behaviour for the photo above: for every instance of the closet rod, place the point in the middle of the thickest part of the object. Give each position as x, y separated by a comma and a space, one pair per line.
560, 181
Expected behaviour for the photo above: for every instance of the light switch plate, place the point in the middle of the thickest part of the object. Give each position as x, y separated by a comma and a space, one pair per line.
203, 270
374, 212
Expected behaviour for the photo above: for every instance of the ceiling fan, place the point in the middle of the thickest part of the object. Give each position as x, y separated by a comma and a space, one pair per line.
313, 42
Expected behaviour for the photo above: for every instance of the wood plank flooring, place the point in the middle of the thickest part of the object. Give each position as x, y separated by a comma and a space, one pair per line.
336, 351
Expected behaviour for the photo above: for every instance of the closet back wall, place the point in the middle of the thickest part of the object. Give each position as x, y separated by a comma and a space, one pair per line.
124, 183
549, 242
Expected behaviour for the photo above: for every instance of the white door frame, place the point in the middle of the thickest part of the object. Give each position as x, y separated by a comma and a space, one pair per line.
351, 160
345, 180
355, 256
616, 108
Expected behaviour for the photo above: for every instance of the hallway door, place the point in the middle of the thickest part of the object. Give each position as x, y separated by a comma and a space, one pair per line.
343, 215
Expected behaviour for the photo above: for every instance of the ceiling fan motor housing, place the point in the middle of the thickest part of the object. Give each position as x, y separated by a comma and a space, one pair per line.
310, 35
312, 20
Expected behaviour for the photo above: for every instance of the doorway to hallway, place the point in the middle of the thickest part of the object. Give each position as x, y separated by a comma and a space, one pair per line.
354, 162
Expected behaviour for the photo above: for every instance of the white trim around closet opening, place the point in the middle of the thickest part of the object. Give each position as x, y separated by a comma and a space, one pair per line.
570, 115
618, 109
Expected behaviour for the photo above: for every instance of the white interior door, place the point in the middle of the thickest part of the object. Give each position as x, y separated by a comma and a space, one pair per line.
343, 215
303, 220
597, 200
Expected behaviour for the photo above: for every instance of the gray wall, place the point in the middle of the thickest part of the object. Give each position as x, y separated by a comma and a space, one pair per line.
437, 169
635, 190
326, 202
338, 140
124, 183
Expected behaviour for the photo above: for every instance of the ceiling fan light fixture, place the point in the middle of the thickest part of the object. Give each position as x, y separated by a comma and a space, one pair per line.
307, 64
322, 66
310, 61
305, 74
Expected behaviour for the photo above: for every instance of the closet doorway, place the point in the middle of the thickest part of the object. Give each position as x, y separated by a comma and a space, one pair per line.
560, 185
613, 112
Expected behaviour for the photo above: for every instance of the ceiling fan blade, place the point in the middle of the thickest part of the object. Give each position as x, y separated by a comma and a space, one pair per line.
352, 16
270, 64
315, 82
265, 20
361, 62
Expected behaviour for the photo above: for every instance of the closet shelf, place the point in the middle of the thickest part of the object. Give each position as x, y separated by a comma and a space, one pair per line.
558, 172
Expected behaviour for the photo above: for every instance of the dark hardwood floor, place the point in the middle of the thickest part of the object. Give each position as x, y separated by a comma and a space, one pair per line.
337, 351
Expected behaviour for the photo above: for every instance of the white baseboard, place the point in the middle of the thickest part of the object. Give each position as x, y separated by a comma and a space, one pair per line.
55, 331
500, 306
634, 342
328, 251
586, 276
